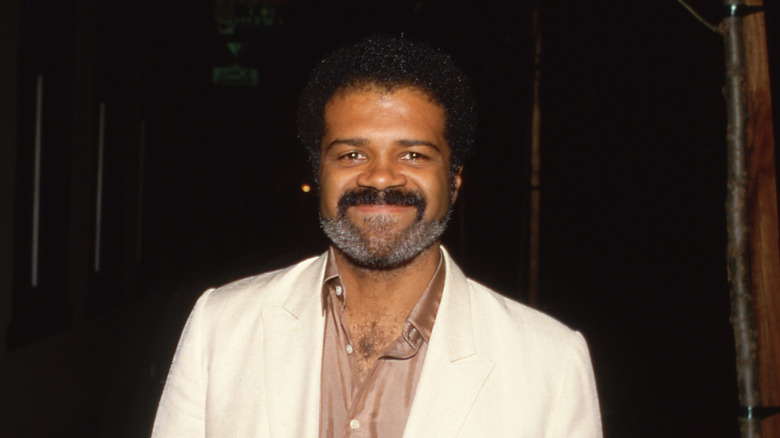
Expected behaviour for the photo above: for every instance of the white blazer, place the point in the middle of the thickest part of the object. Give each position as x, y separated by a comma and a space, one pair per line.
249, 365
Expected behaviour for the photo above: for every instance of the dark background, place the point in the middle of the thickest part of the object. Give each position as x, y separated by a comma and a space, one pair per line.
202, 185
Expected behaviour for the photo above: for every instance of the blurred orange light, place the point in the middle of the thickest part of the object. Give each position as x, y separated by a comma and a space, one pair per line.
306, 188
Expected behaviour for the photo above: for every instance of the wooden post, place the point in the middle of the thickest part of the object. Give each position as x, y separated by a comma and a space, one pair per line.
762, 213
753, 253
737, 251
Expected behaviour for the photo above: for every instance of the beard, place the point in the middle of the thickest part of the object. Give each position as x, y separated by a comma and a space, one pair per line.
377, 244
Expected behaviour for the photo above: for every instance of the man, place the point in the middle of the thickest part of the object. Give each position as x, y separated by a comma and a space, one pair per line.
383, 335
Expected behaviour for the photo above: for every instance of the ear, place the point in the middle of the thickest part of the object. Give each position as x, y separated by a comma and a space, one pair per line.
456, 184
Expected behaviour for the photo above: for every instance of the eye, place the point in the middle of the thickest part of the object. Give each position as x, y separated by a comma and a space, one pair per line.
413, 156
352, 156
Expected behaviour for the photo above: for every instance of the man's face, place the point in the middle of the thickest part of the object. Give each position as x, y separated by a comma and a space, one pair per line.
385, 189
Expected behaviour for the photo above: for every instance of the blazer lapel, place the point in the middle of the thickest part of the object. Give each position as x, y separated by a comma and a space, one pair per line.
453, 372
292, 354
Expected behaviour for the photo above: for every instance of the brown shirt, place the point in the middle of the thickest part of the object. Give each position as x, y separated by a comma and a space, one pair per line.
379, 405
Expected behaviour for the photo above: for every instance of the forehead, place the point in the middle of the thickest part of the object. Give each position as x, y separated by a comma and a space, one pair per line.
383, 90
375, 86
377, 105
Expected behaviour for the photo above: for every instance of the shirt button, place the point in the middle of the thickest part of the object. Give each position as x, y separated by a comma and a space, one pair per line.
349, 351
354, 424
339, 290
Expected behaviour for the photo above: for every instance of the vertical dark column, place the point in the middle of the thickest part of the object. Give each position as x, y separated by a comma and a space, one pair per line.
40, 302
9, 45
84, 119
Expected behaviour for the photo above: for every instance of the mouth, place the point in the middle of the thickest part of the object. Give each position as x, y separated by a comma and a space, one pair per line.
382, 208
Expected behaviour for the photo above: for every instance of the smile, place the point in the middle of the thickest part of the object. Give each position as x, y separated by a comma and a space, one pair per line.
383, 208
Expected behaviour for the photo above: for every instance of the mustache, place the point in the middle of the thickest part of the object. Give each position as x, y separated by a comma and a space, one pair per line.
370, 196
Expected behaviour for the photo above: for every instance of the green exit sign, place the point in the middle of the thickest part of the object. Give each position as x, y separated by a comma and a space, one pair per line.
234, 76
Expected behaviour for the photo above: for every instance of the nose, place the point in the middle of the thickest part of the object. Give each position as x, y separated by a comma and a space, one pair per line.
381, 174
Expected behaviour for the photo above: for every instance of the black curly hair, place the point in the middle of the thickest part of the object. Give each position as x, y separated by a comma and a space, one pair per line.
390, 62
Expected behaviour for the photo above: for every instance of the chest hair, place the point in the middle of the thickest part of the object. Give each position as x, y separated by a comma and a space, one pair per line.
370, 339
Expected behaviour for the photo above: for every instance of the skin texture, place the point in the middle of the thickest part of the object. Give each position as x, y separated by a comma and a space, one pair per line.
383, 141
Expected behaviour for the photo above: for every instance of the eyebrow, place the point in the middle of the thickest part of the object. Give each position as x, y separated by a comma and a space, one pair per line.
361, 141
413, 142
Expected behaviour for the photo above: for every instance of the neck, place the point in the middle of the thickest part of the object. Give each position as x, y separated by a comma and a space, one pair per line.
387, 292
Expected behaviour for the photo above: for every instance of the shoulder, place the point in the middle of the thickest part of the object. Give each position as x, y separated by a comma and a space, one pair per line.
506, 329
541, 367
524, 340
493, 308
251, 294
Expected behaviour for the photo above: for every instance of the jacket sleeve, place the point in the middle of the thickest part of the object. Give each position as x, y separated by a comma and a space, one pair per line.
181, 412
575, 412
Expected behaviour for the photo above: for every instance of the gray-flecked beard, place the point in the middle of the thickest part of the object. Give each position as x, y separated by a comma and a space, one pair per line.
380, 246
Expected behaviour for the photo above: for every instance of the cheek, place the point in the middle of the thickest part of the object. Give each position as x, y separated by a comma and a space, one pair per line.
329, 195
438, 196
328, 203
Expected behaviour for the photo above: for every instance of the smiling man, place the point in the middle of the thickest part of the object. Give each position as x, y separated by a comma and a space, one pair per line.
382, 335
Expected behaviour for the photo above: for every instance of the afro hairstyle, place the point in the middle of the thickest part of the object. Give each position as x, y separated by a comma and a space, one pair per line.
389, 63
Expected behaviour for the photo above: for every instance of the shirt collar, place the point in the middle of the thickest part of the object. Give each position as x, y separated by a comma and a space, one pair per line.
423, 314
